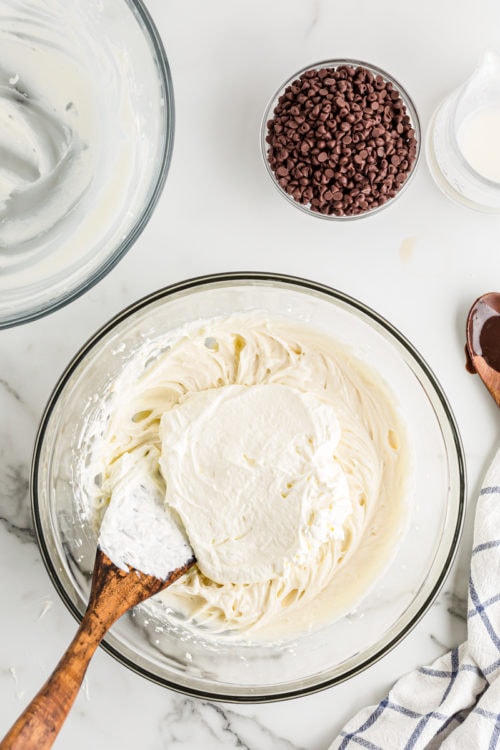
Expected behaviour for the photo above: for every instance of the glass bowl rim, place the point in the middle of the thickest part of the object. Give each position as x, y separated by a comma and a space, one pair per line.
335, 63
284, 281
152, 36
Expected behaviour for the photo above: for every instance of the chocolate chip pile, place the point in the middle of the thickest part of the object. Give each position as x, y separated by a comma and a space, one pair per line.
341, 141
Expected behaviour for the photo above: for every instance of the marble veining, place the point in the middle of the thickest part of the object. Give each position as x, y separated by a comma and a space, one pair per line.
440, 643
456, 605
315, 8
10, 390
205, 724
15, 512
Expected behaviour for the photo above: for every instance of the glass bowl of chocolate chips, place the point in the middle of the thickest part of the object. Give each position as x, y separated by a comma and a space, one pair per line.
341, 139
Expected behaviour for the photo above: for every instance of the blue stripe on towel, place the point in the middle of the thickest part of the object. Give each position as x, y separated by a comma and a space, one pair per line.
481, 611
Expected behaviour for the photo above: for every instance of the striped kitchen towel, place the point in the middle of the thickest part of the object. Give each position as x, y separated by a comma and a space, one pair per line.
454, 704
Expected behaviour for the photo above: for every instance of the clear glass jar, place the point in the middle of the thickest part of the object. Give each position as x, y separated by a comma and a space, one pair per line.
452, 171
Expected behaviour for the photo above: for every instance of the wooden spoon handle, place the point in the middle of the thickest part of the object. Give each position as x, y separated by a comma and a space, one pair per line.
39, 724
113, 592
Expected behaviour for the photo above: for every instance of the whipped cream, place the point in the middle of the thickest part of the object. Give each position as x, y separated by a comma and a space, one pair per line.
237, 409
80, 112
251, 471
46, 165
50, 137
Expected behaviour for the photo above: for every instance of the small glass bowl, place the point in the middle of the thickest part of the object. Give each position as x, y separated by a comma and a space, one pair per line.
410, 111
114, 106
265, 670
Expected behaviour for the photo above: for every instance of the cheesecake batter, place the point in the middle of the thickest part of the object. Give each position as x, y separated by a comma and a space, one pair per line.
283, 457
251, 471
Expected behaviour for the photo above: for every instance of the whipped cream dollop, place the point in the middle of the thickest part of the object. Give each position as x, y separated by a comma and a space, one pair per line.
252, 473
282, 455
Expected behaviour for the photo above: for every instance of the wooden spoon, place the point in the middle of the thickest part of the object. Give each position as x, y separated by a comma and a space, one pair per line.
483, 341
114, 590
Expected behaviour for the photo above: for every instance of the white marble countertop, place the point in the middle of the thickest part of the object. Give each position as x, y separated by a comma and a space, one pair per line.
421, 264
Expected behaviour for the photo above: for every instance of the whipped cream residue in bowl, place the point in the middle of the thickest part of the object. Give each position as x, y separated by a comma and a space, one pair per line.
85, 139
279, 453
48, 162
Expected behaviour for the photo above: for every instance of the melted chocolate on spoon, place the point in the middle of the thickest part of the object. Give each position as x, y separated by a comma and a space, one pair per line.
469, 365
483, 342
486, 332
489, 341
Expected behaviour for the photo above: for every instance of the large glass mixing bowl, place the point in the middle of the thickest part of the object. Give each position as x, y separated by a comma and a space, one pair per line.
86, 135
263, 671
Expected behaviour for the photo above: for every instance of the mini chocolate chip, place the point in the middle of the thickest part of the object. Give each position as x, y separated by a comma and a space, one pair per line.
341, 140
